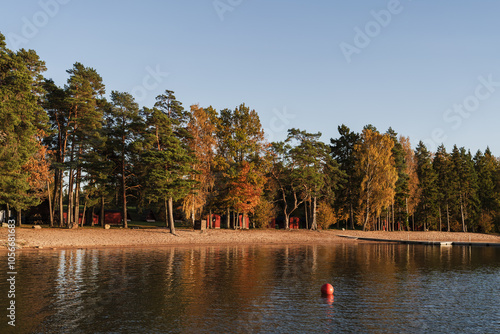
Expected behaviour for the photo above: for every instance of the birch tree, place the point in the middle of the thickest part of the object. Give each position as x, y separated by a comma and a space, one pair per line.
377, 169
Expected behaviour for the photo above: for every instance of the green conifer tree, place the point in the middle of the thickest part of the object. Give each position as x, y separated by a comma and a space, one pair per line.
427, 211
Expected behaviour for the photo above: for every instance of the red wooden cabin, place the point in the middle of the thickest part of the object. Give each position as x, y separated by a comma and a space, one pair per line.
294, 223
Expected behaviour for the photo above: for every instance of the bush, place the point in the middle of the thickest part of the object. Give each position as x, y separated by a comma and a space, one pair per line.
486, 223
325, 216
263, 213
456, 226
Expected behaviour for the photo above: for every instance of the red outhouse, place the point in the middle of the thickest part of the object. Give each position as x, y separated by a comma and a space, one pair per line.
294, 223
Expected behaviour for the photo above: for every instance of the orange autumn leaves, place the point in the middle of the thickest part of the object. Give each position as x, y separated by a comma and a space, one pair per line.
246, 188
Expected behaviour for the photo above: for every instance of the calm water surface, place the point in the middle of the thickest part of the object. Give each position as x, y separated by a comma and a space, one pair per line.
379, 288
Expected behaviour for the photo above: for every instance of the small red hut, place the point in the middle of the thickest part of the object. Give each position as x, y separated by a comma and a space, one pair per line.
294, 223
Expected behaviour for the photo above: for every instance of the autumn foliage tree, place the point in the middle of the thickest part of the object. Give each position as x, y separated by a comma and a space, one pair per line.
202, 143
377, 170
413, 197
246, 188
241, 155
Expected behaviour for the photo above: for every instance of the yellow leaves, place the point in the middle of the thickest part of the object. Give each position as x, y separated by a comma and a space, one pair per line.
377, 168
326, 215
202, 143
411, 171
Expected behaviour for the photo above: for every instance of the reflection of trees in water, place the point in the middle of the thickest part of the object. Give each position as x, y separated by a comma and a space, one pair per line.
183, 289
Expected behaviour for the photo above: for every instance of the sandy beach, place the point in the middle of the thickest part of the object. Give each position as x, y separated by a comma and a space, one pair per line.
27, 238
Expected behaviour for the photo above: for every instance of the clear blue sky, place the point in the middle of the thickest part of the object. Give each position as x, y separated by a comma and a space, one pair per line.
287, 59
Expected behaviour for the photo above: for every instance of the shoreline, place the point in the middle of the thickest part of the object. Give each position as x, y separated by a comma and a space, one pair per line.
56, 238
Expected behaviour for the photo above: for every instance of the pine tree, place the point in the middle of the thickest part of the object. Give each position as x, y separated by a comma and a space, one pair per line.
402, 183
427, 209
466, 192
342, 150
100, 173
22, 122
286, 179
487, 166
166, 158
123, 125
317, 173
444, 184
56, 106
84, 89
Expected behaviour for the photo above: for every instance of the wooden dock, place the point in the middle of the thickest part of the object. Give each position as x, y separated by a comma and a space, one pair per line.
426, 242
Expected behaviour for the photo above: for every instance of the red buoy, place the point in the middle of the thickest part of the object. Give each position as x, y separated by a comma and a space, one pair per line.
327, 289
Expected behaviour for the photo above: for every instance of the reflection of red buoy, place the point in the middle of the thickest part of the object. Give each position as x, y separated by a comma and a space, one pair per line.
329, 299
327, 289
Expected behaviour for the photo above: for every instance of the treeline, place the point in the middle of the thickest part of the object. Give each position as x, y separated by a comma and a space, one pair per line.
75, 150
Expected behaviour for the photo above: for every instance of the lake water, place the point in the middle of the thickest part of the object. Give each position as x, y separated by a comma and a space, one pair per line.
379, 288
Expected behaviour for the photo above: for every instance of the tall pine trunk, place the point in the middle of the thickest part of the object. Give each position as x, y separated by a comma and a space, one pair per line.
387, 224
462, 213
84, 213
124, 199
448, 216
171, 214
50, 205
193, 218
61, 201
77, 197
306, 214
407, 215
351, 216
314, 223
55, 193
19, 217
440, 218
102, 212
124, 181
165, 202
69, 215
